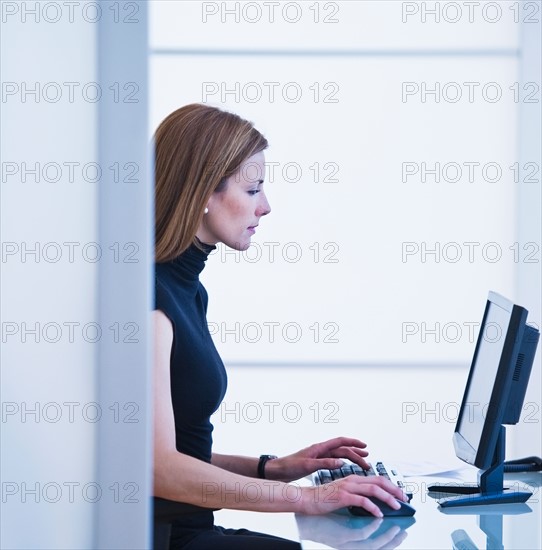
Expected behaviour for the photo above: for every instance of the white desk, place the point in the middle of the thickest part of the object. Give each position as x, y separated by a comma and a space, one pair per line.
516, 526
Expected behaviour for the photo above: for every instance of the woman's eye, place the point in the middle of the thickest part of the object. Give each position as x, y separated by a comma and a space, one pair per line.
253, 191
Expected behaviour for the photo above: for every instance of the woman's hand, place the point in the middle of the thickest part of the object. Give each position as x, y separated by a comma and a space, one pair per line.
318, 456
351, 491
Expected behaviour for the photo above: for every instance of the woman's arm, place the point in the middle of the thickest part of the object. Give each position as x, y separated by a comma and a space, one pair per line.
243, 465
328, 454
182, 478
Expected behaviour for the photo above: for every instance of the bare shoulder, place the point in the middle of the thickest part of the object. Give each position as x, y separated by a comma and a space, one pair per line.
163, 328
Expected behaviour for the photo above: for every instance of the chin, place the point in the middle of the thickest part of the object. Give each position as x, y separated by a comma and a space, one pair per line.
244, 246
239, 245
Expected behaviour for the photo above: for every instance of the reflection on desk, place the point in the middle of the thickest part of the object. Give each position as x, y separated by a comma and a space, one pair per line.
341, 531
497, 526
490, 521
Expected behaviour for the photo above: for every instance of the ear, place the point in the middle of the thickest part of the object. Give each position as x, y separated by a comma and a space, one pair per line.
213, 201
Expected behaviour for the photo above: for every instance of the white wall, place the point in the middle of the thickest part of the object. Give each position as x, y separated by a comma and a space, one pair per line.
76, 473
50, 451
338, 272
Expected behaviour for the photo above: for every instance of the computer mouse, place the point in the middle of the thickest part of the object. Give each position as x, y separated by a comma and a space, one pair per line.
405, 510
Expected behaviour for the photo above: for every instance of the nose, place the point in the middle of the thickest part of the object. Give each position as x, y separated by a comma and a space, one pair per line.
263, 208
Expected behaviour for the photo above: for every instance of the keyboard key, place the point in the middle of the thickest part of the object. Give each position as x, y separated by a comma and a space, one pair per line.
325, 476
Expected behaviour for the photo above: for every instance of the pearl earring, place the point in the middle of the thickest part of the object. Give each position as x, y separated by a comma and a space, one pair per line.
206, 211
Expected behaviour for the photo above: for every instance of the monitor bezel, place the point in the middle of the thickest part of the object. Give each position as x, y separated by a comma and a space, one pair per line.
482, 456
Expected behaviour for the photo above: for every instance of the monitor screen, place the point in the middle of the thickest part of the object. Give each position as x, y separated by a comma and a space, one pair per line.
484, 373
497, 380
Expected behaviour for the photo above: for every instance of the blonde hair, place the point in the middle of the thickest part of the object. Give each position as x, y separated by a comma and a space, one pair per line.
197, 147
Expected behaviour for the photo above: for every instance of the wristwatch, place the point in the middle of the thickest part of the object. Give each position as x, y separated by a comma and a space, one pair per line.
261, 465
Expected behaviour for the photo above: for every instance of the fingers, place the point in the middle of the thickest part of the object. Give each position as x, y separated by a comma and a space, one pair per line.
331, 444
391, 488
343, 447
329, 463
354, 454
340, 447
359, 459
362, 492
353, 490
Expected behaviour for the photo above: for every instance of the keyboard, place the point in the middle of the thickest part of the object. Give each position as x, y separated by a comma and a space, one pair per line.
379, 469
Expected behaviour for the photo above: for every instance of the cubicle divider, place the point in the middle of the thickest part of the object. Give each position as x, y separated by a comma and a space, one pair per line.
125, 206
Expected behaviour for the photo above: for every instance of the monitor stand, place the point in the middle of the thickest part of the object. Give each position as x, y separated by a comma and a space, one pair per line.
490, 489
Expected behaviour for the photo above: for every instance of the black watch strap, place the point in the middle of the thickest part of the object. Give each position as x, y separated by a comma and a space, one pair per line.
261, 464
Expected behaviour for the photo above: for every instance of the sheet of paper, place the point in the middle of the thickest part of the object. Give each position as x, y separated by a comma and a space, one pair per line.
451, 468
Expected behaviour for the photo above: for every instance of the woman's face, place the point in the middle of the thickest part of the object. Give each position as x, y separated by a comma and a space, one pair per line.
235, 212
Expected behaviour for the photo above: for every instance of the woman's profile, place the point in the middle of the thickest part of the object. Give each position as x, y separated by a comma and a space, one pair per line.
210, 172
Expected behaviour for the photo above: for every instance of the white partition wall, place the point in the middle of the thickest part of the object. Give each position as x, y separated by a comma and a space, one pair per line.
49, 239
76, 239
125, 209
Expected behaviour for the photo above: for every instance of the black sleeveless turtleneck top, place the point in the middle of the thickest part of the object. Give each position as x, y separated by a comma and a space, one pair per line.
198, 377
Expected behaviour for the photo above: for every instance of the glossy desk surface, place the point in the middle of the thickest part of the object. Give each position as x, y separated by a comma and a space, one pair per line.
413, 421
512, 526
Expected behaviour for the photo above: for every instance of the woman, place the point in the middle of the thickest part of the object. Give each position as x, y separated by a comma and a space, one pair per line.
209, 189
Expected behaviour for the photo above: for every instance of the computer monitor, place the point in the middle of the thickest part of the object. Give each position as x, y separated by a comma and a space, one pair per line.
494, 396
